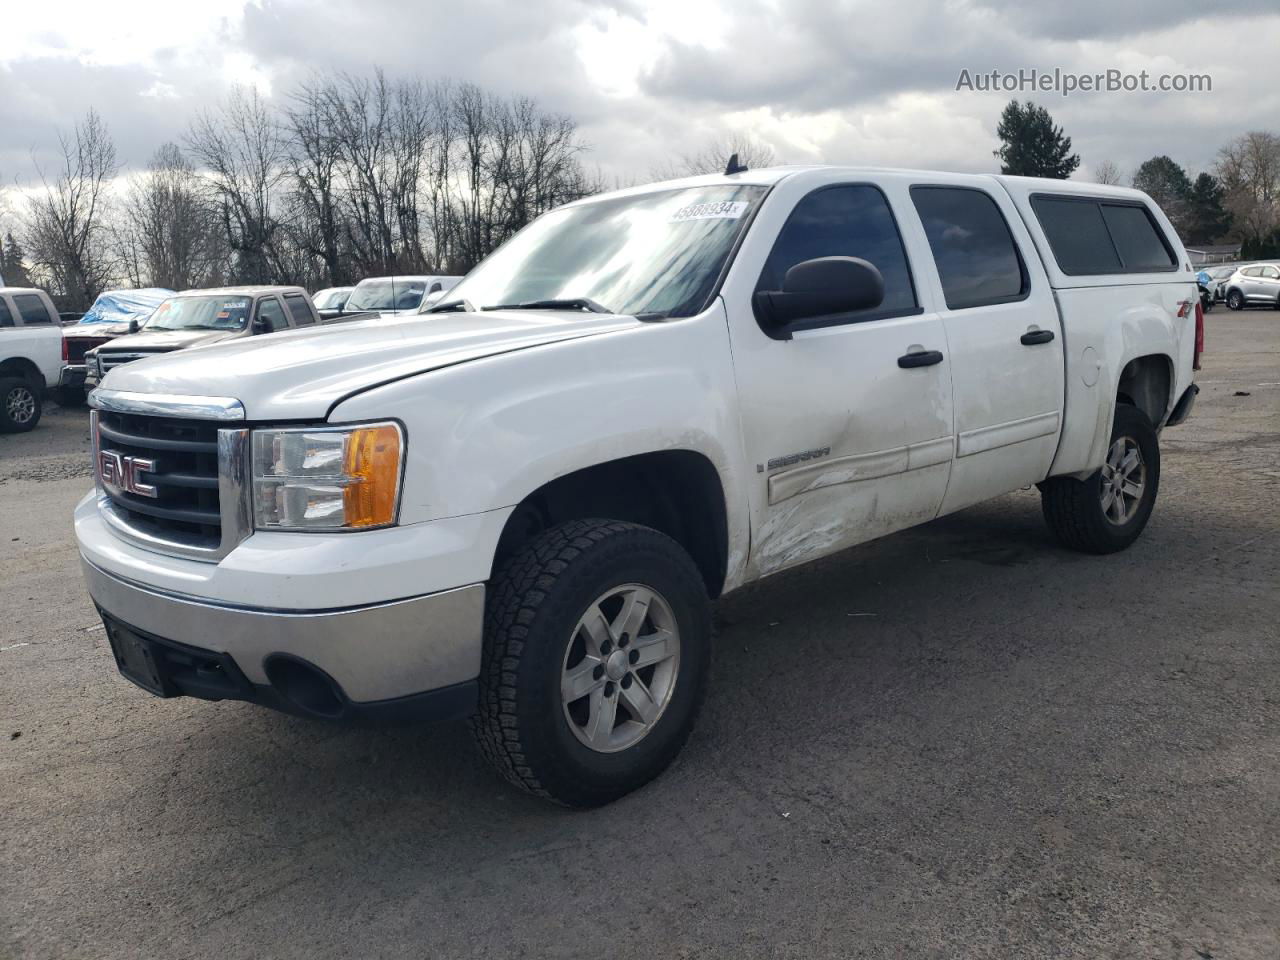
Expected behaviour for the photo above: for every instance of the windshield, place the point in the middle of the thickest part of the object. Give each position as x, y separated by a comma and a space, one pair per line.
386, 295
1222, 272
201, 313
652, 253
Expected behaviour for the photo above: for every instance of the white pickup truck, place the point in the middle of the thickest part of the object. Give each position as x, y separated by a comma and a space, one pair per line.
32, 356
520, 507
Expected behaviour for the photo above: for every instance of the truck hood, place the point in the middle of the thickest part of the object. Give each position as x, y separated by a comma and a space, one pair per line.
301, 374
163, 340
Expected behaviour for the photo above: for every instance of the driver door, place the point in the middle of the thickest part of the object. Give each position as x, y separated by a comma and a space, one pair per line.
846, 419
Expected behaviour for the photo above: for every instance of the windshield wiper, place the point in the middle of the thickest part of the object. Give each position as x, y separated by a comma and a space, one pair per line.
573, 303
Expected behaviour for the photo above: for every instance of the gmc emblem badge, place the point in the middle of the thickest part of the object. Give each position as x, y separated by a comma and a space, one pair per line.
124, 473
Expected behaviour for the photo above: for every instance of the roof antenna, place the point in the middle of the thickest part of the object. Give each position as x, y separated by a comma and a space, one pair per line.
734, 166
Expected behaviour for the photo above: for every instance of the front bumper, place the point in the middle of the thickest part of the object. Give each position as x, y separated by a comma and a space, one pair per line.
379, 659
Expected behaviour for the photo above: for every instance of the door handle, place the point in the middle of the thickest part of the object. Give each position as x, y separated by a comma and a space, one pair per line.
1032, 337
921, 358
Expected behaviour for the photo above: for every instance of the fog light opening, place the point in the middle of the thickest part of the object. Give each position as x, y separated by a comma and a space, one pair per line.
307, 687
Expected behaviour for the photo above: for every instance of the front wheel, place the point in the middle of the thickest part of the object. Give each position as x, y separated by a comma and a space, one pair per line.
1109, 510
20, 405
597, 649
1235, 300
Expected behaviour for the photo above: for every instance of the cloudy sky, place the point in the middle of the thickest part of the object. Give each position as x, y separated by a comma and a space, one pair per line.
819, 80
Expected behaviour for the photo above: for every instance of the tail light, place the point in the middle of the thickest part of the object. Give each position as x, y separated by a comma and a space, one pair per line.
65, 355
1195, 362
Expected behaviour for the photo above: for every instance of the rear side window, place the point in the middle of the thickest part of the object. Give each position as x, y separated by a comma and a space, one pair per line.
977, 260
32, 309
1140, 247
6, 318
845, 221
1078, 235
298, 309
1092, 237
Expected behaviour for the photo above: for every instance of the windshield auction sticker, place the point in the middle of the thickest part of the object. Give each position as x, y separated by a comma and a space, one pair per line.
724, 210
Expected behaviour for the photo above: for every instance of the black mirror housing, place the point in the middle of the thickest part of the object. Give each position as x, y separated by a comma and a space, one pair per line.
822, 287
260, 326
134, 326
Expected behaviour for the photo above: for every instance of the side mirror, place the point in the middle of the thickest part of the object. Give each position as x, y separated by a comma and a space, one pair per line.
821, 287
134, 326
260, 326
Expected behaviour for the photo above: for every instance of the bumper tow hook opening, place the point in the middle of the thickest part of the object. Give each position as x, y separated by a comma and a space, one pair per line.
305, 686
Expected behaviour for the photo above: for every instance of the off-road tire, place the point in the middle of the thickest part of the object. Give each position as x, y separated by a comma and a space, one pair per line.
1073, 508
29, 394
533, 606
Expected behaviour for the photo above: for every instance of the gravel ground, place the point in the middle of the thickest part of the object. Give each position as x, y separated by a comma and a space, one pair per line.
957, 741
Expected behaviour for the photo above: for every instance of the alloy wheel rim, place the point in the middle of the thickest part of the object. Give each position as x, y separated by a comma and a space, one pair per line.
620, 668
20, 405
1124, 480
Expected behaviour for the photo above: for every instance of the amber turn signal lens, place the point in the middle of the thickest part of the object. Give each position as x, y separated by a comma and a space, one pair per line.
372, 464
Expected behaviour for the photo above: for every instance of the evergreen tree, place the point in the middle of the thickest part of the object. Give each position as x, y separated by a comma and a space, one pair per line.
1166, 183
1208, 219
1032, 145
13, 266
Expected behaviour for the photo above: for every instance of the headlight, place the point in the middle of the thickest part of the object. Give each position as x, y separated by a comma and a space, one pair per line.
327, 478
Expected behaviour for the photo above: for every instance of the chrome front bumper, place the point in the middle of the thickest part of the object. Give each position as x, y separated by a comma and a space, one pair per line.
379, 652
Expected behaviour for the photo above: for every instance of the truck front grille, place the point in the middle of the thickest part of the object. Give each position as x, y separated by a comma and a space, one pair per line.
110, 359
163, 479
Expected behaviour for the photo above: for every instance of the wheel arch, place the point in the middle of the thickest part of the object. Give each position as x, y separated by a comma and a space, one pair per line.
24, 368
677, 492
1146, 382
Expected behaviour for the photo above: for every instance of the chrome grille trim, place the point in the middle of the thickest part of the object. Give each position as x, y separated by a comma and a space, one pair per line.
168, 405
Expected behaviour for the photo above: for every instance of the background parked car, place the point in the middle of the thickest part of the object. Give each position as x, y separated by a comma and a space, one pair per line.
1215, 279
1258, 283
32, 355
396, 294
112, 315
332, 301
197, 317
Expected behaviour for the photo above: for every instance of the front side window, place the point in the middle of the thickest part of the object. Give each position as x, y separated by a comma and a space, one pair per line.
32, 309
272, 314
977, 260
654, 254
845, 221
1271, 273
201, 313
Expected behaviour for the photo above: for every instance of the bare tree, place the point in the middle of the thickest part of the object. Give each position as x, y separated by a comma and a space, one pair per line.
1249, 169
1108, 172
66, 236
169, 229
314, 155
245, 160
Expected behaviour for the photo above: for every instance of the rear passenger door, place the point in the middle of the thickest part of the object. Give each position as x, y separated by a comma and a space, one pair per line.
1266, 285
1003, 339
299, 310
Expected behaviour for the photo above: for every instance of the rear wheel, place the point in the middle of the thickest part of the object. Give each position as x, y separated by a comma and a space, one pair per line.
597, 648
1235, 300
20, 405
1109, 510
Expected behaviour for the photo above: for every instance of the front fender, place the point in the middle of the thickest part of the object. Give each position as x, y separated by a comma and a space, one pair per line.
483, 435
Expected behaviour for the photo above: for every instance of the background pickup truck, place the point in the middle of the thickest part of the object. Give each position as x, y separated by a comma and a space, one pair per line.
32, 356
521, 506
200, 317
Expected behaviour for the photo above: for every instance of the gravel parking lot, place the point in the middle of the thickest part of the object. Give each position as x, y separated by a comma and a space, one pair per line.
958, 741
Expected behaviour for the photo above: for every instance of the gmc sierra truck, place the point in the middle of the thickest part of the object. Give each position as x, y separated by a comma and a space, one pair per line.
521, 506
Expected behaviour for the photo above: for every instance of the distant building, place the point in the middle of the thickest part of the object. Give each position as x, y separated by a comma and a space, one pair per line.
1214, 253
